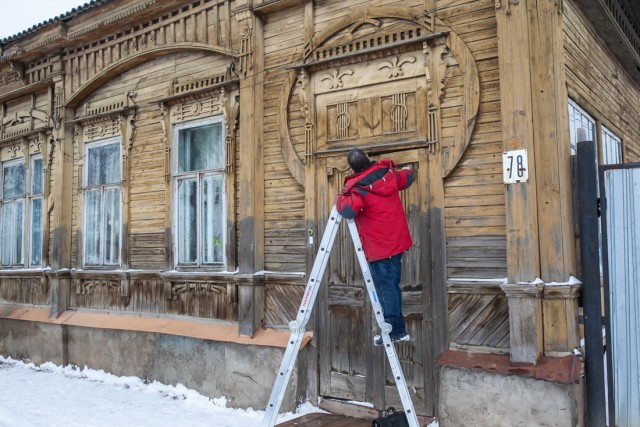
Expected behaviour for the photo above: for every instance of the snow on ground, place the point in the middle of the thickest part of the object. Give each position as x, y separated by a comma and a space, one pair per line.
52, 396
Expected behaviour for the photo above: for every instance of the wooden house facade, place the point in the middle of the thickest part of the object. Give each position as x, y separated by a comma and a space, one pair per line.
169, 166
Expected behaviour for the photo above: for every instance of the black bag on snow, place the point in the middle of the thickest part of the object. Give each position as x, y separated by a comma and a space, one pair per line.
391, 418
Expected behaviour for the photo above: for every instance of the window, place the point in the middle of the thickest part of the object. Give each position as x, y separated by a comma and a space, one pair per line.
199, 183
20, 210
578, 118
102, 204
611, 144
611, 147
35, 210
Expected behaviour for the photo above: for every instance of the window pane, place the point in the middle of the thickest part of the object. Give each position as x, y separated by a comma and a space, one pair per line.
104, 165
212, 203
14, 181
36, 231
611, 148
93, 216
7, 233
19, 234
187, 221
112, 226
36, 177
200, 148
579, 119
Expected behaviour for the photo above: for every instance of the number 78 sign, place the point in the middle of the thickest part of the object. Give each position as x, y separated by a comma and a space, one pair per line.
515, 166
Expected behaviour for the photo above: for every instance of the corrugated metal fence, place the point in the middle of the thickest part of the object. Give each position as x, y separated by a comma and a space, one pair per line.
620, 185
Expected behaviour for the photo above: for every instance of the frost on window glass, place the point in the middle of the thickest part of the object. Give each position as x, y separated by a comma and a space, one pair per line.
36, 232
212, 219
14, 181
35, 209
7, 231
200, 148
12, 213
187, 221
104, 165
36, 177
93, 220
102, 205
112, 226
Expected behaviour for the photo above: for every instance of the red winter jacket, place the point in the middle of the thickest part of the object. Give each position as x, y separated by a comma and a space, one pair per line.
372, 198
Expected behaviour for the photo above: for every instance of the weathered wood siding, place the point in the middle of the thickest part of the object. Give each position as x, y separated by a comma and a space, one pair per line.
146, 183
598, 83
284, 207
474, 192
210, 300
24, 290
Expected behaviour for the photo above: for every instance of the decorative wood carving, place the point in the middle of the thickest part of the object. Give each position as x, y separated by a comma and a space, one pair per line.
194, 109
302, 84
15, 74
246, 41
395, 66
102, 129
22, 122
335, 78
84, 287
233, 121
197, 288
291, 159
86, 63
35, 143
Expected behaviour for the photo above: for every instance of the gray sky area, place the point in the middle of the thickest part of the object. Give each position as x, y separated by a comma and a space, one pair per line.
19, 15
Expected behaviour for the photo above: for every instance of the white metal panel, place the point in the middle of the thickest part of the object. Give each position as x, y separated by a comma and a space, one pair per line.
622, 189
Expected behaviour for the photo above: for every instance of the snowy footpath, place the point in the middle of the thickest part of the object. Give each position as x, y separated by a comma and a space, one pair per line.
54, 396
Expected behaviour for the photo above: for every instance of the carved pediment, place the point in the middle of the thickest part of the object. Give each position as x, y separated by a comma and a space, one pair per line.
370, 38
22, 123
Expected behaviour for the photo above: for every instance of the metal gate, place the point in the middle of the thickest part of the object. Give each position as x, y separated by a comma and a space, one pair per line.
620, 199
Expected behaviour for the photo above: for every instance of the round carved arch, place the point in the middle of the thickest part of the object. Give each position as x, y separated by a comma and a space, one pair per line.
452, 153
140, 58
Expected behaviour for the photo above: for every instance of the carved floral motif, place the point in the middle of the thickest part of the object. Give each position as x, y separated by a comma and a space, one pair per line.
335, 78
395, 66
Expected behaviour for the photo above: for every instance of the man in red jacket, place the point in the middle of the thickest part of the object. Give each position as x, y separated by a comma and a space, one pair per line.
371, 196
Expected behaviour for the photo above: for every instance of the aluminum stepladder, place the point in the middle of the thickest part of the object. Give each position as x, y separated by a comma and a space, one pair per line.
298, 325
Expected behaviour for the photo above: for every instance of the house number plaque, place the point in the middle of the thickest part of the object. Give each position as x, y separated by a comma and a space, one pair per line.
515, 166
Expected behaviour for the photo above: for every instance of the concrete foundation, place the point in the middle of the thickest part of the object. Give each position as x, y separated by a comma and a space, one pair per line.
477, 398
241, 371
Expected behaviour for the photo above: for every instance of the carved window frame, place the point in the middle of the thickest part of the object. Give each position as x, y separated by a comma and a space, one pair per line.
215, 97
111, 119
199, 175
24, 151
86, 188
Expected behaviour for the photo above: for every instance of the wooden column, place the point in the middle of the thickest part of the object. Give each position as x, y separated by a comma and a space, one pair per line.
534, 115
523, 256
525, 321
553, 186
61, 195
251, 175
551, 139
560, 313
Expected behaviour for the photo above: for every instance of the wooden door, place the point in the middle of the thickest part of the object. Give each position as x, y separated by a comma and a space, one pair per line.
351, 368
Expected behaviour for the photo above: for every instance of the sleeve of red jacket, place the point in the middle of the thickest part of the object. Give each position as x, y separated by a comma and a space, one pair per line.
349, 204
405, 178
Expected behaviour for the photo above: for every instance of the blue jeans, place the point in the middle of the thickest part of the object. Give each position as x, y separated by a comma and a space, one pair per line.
386, 279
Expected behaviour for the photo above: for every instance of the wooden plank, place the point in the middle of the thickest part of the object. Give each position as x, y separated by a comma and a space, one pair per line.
522, 221
551, 144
